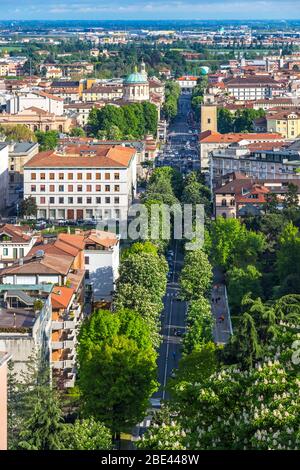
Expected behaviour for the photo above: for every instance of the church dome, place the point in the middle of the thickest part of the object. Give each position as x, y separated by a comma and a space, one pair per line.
135, 78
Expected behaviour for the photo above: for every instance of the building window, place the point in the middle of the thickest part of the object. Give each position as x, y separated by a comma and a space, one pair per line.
61, 188
117, 188
42, 188
61, 176
42, 200
107, 200
70, 176
52, 188
107, 176
70, 200
107, 188
232, 202
89, 188
61, 200
70, 188
51, 200
79, 176
98, 176
117, 176
33, 176
89, 200
43, 176
79, 200
5, 251
89, 176
79, 188
224, 202
33, 188
98, 200
86, 260
52, 176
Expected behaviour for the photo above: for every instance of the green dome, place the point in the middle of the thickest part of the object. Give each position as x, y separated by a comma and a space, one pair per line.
204, 70
135, 77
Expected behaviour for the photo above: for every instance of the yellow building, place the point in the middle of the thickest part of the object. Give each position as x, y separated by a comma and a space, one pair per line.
286, 123
209, 118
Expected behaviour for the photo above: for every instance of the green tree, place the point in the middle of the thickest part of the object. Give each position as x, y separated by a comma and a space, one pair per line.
28, 207
42, 429
288, 254
116, 380
291, 200
18, 133
138, 298
196, 275
243, 281
150, 117
77, 132
200, 324
145, 270
86, 434
271, 204
47, 140
225, 121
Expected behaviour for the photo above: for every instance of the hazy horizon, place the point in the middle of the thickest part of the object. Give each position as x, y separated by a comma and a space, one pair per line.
149, 10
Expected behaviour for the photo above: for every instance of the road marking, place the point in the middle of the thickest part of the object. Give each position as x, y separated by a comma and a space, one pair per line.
167, 351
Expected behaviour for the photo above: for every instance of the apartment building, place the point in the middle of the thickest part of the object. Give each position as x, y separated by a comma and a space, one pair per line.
238, 196
187, 83
4, 358
103, 92
210, 141
81, 111
4, 178
251, 87
82, 182
261, 161
18, 154
25, 323
286, 123
38, 99
101, 260
16, 242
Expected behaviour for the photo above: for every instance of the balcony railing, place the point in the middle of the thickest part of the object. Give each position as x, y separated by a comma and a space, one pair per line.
66, 344
63, 325
63, 364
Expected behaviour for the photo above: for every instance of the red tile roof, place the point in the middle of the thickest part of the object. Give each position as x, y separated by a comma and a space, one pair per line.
61, 296
216, 137
84, 156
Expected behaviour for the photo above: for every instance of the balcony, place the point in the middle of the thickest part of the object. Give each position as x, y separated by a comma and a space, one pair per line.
63, 325
66, 344
69, 383
57, 325
63, 364
57, 345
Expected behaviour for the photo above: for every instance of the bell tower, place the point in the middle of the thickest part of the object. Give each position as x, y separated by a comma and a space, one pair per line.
209, 120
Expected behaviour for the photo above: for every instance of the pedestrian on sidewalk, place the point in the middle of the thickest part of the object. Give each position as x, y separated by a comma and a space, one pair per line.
174, 355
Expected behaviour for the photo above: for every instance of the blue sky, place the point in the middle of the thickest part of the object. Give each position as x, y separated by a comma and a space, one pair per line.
149, 9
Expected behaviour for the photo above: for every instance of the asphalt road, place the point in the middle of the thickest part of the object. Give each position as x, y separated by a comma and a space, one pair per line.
174, 314
181, 150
